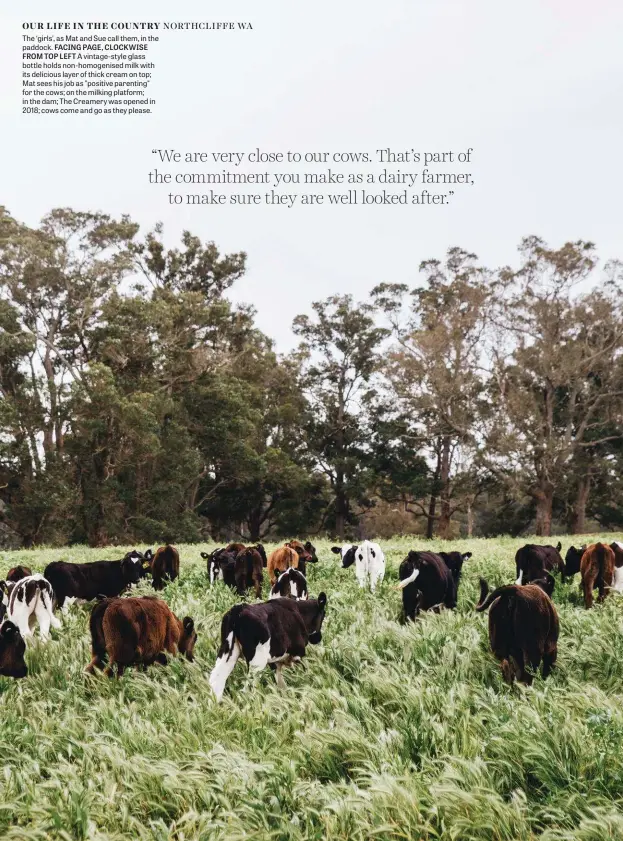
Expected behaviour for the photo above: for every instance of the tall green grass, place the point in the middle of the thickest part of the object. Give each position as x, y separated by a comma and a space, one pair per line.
386, 731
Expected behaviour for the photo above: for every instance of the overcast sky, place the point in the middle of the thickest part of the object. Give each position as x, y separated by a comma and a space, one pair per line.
533, 87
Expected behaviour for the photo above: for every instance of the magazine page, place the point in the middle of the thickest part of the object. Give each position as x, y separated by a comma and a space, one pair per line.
311, 403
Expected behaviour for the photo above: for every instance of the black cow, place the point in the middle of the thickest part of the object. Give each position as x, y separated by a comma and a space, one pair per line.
221, 566
426, 582
12, 649
272, 633
533, 561
87, 581
572, 560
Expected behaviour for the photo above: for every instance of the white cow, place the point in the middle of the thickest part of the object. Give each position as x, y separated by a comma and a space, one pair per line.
28, 600
369, 562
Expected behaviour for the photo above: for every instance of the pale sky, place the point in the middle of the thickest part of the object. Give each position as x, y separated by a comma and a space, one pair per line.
533, 87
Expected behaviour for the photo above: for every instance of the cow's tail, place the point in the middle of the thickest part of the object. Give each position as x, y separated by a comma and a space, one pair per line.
487, 599
600, 556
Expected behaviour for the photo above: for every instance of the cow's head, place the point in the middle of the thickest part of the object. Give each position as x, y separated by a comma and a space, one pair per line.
301, 550
12, 648
311, 551
347, 553
547, 583
132, 568
454, 561
315, 633
572, 560
186, 644
410, 568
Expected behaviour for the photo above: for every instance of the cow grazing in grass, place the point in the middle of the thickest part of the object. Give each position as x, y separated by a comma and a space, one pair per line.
617, 574
427, 583
533, 561
137, 632
547, 583
248, 571
369, 562
87, 581
572, 560
164, 565
27, 601
272, 633
597, 570
221, 566
280, 560
306, 552
291, 584
17, 573
523, 629
12, 650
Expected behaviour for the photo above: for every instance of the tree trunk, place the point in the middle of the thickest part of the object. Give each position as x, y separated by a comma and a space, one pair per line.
544, 503
340, 505
578, 515
432, 505
254, 524
444, 478
470, 520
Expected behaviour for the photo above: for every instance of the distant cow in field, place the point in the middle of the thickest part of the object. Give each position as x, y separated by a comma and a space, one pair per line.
272, 633
533, 561
617, 577
426, 582
12, 650
291, 584
17, 573
523, 629
137, 632
28, 600
221, 566
248, 571
306, 552
87, 581
572, 560
280, 560
369, 562
164, 565
597, 570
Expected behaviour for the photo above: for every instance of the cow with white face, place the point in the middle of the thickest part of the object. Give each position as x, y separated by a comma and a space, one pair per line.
369, 562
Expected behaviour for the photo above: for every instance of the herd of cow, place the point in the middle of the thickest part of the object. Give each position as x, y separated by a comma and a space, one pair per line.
140, 631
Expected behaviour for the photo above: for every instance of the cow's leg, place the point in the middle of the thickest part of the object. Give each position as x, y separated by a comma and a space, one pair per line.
96, 663
605, 584
66, 603
279, 676
588, 583
508, 672
549, 660
223, 667
21, 617
47, 602
361, 573
519, 662
261, 657
43, 618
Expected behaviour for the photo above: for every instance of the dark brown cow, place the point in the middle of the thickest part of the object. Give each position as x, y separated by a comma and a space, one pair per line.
249, 571
523, 629
306, 552
597, 570
18, 572
12, 649
533, 561
137, 632
165, 566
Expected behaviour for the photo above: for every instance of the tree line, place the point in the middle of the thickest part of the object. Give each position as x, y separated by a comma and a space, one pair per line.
137, 403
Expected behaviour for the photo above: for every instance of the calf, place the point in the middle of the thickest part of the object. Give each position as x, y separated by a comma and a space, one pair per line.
426, 582
248, 571
617, 576
31, 599
369, 562
533, 560
597, 570
12, 649
523, 629
164, 565
306, 553
137, 632
572, 560
87, 581
221, 565
17, 573
291, 584
280, 560
271, 633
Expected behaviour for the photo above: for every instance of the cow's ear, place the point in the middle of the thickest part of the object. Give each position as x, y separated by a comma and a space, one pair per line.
322, 599
466, 555
148, 555
308, 546
412, 556
205, 555
8, 630
336, 550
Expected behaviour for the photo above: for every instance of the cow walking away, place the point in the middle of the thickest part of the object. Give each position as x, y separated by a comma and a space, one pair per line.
272, 633
427, 583
533, 561
369, 562
164, 565
597, 571
248, 571
279, 560
30, 600
137, 632
291, 584
523, 629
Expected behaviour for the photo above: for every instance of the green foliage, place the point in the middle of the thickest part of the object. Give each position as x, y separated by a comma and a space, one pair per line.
386, 731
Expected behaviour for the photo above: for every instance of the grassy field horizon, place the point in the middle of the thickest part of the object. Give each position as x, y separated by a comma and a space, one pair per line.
387, 731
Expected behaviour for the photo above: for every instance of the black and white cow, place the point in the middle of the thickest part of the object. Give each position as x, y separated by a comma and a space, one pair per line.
28, 600
221, 566
427, 583
369, 562
90, 580
291, 584
272, 633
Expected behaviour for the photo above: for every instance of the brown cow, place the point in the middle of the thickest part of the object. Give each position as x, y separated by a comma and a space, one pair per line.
18, 572
249, 571
280, 560
306, 553
523, 629
165, 566
137, 632
597, 570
